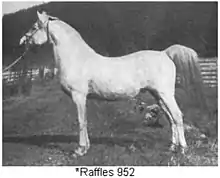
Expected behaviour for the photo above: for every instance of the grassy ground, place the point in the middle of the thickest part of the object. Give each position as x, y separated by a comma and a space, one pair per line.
42, 129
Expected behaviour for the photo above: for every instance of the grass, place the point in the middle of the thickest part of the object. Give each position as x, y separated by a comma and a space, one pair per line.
42, 129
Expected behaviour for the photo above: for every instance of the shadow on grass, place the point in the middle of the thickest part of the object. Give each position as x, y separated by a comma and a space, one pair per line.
46, 140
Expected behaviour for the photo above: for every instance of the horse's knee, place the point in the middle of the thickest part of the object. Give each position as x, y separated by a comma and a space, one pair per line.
82, 125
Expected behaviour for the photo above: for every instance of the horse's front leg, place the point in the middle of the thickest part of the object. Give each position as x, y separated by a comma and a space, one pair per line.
80, 100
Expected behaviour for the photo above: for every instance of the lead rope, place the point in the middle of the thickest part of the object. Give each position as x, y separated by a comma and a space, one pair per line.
22, 56
15, 62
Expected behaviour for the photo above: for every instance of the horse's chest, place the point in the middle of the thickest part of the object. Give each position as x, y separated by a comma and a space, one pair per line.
72, 80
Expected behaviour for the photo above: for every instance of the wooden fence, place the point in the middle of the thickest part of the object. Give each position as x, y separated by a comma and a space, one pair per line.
11, 77
16, 83
209, 70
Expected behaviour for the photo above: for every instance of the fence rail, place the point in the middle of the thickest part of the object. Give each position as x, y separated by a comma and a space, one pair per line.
32, 74
209, 71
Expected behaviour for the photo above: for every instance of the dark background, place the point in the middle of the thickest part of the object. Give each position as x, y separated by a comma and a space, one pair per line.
40, 126
116, 29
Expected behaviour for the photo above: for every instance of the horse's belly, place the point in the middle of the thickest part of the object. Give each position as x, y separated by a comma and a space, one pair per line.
113, 92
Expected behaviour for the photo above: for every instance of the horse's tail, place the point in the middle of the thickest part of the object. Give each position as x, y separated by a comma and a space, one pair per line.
188, 71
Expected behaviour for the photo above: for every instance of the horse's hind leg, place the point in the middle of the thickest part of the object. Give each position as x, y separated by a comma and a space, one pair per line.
161, 103
80, 100
175, 116
175, 141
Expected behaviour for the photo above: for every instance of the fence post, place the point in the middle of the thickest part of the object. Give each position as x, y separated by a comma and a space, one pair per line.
41, 73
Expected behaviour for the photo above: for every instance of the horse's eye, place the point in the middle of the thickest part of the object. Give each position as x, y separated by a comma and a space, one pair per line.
35, 27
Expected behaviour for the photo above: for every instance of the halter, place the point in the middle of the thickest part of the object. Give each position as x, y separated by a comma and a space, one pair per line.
28, 38
47, 29
49, 39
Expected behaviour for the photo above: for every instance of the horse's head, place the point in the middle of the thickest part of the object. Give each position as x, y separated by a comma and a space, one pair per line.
38, 34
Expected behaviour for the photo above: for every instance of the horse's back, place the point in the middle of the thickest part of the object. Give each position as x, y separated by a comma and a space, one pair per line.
143, 55
150, 59
145, 60
128, 74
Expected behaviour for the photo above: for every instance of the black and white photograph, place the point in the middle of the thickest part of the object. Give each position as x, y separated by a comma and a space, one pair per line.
109, 84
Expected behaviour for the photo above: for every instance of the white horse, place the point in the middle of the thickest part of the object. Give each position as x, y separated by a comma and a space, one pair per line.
82, 72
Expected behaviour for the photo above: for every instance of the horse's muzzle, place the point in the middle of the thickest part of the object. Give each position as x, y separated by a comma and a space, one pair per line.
23, 40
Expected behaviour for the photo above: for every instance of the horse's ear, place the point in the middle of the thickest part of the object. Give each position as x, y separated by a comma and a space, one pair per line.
38, 14
42, 17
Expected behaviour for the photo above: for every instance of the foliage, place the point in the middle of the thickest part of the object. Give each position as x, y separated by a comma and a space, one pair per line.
120, 28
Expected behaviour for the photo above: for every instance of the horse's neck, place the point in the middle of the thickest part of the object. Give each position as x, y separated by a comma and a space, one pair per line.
68, 45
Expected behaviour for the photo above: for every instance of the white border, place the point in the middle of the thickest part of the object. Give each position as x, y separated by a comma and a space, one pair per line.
140, 171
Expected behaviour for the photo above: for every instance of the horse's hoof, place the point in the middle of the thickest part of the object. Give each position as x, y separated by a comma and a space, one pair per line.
80, 151
183, 150
173, 148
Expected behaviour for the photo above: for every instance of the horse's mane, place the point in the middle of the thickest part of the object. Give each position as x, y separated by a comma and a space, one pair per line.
73, 34
68, 28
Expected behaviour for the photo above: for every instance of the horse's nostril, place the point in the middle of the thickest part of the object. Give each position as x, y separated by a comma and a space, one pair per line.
22, 40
